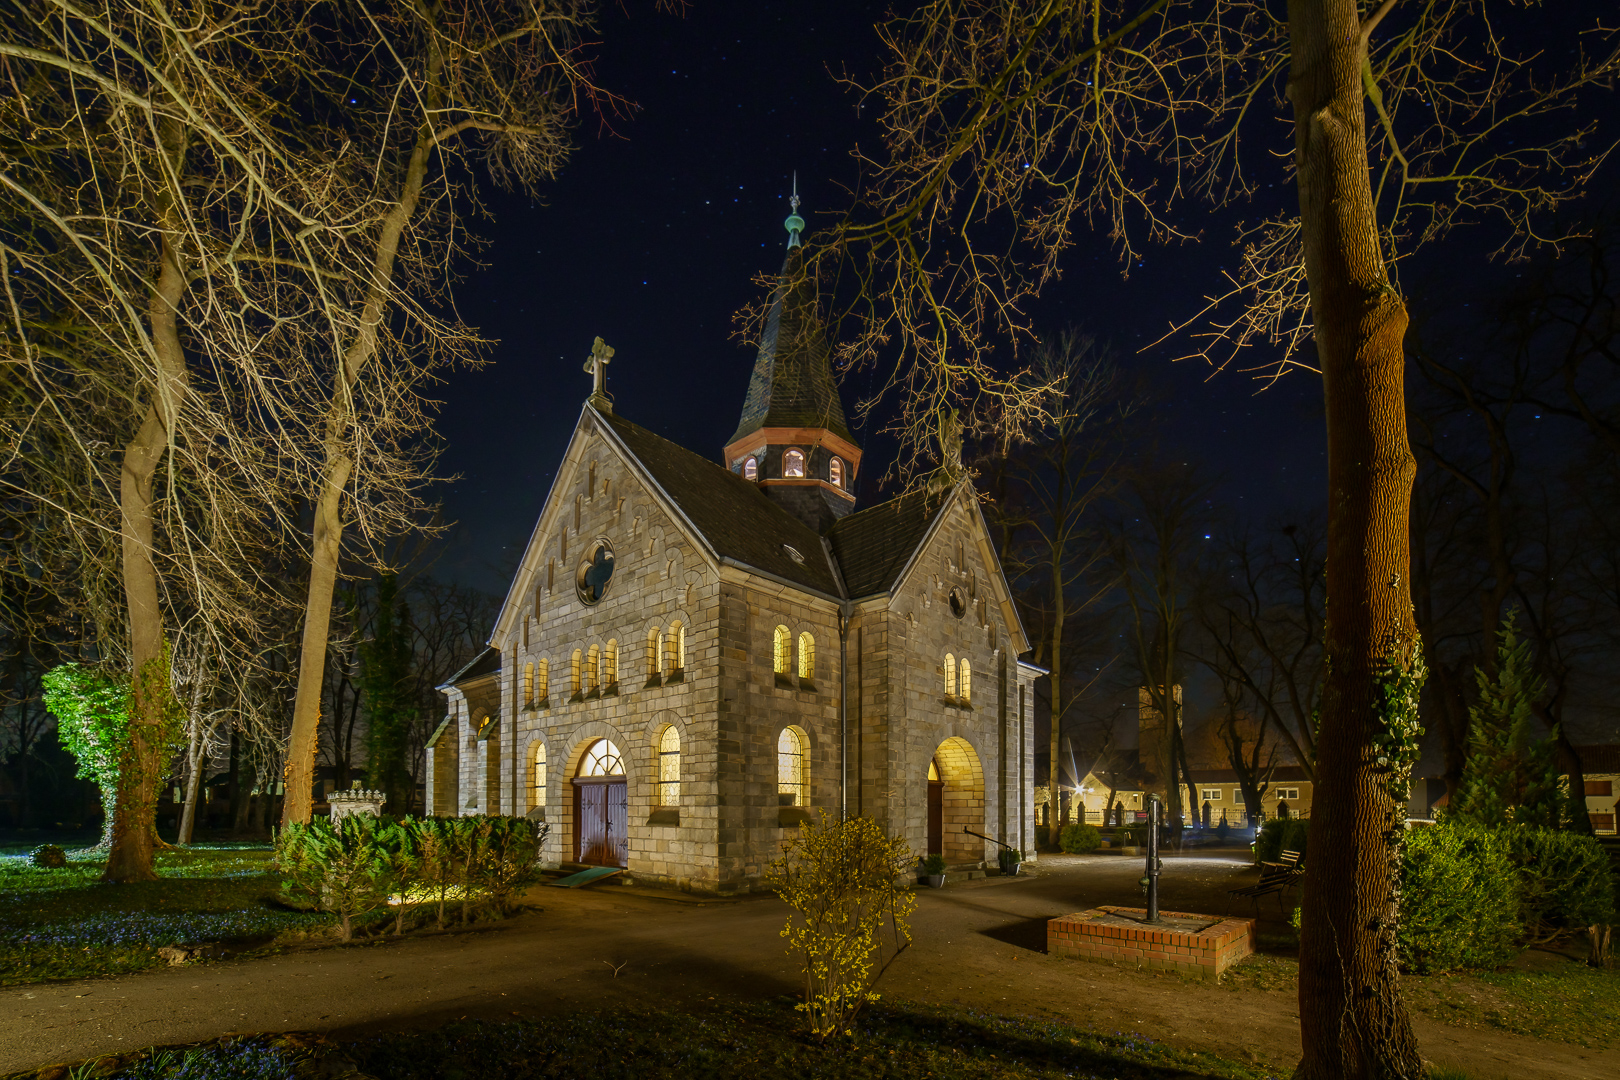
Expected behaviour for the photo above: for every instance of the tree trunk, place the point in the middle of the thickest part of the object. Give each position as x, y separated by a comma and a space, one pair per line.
195, 763
334, 480
1055, 686
1353, 1023
133, 834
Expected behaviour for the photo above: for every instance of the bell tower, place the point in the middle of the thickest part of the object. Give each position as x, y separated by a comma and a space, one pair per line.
792, 439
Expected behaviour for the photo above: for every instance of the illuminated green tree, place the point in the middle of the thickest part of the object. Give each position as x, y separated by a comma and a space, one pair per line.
92, 720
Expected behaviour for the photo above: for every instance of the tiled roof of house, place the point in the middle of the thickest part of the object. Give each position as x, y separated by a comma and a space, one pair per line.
873, 546
792, 384
738, 520
1282, 774
1602, 758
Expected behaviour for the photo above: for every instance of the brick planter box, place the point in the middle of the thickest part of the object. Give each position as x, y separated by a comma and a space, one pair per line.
1198, 945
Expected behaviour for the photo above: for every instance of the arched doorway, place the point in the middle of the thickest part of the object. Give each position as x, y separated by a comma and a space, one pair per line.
601, 807
936, 810
956, 788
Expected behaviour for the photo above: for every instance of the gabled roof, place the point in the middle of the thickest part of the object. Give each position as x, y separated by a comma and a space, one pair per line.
738, 520
792, 385
485, 663
874, 546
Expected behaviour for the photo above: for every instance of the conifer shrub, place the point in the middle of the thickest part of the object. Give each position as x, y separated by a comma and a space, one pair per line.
1279, 835
1459, 900
1079, 839
1566, 883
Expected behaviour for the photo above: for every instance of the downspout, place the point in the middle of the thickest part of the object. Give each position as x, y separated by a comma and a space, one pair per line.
843, 710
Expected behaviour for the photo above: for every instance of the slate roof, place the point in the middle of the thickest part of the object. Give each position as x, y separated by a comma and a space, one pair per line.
484, 663
873, 546
792, 385
737, 519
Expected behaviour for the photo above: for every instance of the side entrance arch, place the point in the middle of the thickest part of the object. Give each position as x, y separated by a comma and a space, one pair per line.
601, 808
956, 801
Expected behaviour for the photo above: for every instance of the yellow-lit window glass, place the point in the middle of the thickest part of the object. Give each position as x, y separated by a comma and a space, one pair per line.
528, 683
574, 673
610, 663
542, 679
751, 469
807, 656
602, 759
669, 767
792, 768
964, 680
784, 651
537, 791
835, 472
950, 675
593, 668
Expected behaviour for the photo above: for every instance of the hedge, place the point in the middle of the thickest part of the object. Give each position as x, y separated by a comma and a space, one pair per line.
1459, 900
1565, 880
1279, 835
1079, 839
354, 866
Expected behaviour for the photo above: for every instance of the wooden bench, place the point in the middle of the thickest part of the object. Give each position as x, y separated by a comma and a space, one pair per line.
1275, 877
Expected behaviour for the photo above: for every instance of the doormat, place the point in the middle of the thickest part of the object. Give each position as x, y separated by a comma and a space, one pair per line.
586, 877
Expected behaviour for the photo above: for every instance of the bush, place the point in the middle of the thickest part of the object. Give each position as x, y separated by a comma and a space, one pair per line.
1079, 839
1279, 835
352, 868
48, 856
839, 877
1459, 900
1565, 881
933, 865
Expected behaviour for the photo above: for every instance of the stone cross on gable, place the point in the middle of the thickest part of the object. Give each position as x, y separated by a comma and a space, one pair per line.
596, 364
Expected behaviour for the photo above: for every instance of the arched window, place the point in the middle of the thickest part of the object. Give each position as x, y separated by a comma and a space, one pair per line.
675, 649
807, 656
835, 472
784, 651
793, 767
950, 675
964, 680
537, 777
751, 468
542, 680
610, 663
602, 759
528, 684
652, 653
793, 463
574, 686
593, 669
669, 767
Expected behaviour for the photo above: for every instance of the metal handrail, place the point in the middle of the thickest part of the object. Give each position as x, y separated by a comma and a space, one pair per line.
992, 839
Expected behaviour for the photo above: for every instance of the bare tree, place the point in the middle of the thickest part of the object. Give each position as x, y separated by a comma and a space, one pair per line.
1006, 123
1048, 493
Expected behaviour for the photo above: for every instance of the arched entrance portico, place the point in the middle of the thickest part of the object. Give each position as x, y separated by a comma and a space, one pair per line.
955, 801
601, 807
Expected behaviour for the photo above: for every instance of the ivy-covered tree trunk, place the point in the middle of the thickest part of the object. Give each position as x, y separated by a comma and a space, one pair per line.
1353, 1023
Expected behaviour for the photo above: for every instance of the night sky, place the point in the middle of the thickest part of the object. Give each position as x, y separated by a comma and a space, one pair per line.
653, 233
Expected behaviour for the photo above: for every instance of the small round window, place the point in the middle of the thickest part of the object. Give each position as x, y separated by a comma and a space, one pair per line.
958, 603
595, 571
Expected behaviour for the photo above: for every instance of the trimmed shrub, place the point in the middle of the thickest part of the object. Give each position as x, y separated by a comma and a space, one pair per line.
1459, 900
1279, 835
1565, 881
48, 856
1079, 839
933, 865
351, 869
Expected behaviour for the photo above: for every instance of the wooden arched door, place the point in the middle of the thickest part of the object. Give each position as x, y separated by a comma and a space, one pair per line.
601, 808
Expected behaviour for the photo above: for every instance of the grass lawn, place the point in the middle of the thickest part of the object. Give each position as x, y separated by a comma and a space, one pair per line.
1546, 995
756, 1042
59, 924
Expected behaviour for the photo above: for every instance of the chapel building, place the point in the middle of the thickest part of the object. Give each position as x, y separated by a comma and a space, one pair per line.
694, 657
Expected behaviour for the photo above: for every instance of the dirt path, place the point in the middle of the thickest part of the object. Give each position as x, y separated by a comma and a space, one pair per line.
979, 944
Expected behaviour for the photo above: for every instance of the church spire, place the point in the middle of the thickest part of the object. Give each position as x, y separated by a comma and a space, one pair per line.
792, 437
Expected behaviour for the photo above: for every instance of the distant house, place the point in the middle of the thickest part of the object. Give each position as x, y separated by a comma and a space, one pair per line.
1094, 790
1289, 790
1601, 767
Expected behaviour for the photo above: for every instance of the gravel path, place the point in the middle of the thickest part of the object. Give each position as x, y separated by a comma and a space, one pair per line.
978, 943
